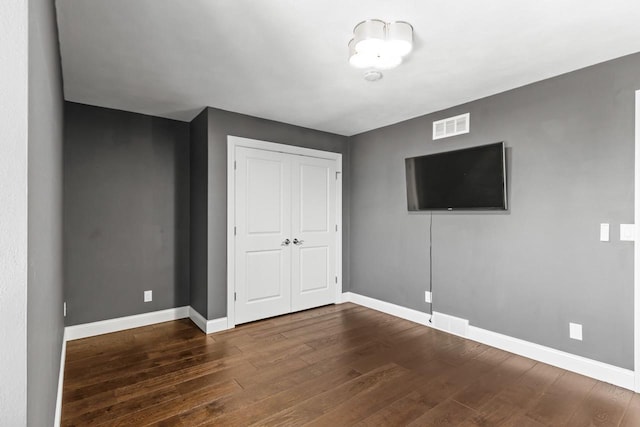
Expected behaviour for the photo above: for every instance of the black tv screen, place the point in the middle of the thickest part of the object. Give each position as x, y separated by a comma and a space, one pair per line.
471, 178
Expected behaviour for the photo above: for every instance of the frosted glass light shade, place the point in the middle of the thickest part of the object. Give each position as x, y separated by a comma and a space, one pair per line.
369, 36
360, 60
399, 38
381, 45
386, 61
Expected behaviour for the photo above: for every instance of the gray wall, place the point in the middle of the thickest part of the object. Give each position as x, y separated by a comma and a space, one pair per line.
126, 213
530, 271
45, 285
224, 123
198, 212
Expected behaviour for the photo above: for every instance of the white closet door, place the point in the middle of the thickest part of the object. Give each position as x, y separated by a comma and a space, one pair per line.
263, 221
313, 228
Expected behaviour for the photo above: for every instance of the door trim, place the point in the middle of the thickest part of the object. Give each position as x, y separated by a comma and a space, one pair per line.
636, 248
236, 141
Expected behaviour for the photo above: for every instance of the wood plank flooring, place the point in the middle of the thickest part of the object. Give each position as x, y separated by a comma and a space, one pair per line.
333, 366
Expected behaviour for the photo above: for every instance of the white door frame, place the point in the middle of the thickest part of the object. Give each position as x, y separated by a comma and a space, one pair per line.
232, 143
636, 249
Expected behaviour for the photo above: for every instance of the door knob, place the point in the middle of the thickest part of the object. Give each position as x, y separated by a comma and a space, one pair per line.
298, 242
286, 242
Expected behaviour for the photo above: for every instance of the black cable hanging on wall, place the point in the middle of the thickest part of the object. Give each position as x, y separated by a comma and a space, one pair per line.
431, 263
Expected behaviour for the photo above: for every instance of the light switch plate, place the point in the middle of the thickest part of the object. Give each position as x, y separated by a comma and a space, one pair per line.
604, 232
627, 232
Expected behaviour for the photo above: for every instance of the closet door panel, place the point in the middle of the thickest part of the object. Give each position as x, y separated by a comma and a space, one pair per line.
313, 228
263, 224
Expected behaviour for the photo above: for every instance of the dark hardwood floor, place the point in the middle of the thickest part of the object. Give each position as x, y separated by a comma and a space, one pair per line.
332, 366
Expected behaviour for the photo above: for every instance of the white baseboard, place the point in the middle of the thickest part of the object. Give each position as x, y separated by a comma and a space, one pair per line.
451, 324
63, 358
343, 297
460, 327
571, 362
386, 307
207, 326
198, 319
561, 359
122, 323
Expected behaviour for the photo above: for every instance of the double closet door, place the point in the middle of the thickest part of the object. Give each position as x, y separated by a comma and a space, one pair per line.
285, 237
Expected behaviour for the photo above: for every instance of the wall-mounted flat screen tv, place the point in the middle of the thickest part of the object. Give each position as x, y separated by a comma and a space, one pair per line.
467, 179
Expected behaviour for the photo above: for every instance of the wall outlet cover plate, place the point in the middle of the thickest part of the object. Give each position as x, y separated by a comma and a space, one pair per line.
575, 331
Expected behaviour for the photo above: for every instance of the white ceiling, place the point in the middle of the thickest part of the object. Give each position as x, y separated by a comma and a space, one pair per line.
286, 60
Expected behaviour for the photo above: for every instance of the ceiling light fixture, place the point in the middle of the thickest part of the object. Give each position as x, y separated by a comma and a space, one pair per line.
380, 45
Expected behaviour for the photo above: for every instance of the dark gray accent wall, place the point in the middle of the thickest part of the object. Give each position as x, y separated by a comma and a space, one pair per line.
223, 123
126, 213
45, 323
529, 271
198, 212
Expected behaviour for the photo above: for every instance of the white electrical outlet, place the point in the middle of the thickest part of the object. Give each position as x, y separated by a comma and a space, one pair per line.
64, 309
148, 296
427, 296
575, 331
604, 232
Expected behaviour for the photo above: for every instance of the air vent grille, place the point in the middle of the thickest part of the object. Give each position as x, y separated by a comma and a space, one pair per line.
451, 126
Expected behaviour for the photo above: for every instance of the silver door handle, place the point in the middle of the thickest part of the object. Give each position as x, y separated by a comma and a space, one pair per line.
298, 242
286, 242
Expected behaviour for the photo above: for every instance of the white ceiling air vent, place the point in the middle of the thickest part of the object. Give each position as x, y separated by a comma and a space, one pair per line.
450, 127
